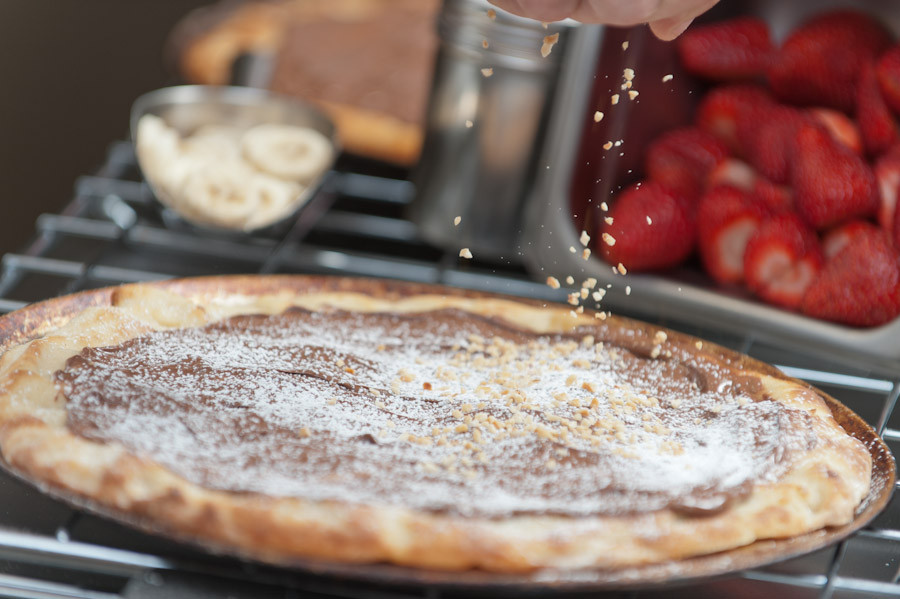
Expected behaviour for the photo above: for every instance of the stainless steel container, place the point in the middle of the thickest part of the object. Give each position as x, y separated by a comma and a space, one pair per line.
565, 198
484, 127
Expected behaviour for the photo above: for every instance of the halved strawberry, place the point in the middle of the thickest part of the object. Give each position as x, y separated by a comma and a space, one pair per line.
681, 160
727, 51
726, 219
858, 286
888, 70
722, 107
767, 135
842, 237
820, 61
733, 172
887, 173
841, 128
776, 198
831, 184
652, 228
876, 123
781, 260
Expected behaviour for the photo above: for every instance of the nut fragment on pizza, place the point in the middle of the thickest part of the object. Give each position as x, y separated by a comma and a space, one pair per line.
289, 418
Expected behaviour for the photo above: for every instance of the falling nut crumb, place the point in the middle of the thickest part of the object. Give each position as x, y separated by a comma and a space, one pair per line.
614, 99
584, 238
621, 268
598, 116
553, 282
492, 14
549, 42
608, 145
649, 221
625, 45
628, 74
484, 44
487, 71
572, 249
603, 206
585, 253
469, 124
668, 78
456, 221
632, 94
608, 220
465, 253
627, 289
608, 239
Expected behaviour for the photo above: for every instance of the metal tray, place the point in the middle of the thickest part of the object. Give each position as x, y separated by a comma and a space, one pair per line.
37, 319
686, 294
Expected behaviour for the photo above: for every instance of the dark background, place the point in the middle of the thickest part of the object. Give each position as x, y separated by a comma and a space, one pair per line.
70, 70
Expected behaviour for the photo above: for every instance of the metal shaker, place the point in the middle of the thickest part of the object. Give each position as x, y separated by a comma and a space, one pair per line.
483, 126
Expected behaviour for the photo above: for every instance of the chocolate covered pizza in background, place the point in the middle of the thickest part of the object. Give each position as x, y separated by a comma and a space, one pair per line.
367, 62
290, 418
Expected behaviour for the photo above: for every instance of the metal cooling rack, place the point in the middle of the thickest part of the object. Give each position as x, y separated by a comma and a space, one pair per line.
110, 233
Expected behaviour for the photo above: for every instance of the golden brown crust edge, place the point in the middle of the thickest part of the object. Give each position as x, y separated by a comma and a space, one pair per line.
823, 489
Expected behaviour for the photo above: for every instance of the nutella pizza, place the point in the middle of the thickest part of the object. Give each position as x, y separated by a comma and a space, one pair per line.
353, 421
368, 63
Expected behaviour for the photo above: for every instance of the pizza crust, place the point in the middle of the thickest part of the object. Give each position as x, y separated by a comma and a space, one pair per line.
823, 488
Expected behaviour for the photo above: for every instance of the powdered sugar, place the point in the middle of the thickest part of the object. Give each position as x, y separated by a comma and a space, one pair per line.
437, 411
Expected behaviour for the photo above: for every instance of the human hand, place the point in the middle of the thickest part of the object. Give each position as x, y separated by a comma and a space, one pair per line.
667, 18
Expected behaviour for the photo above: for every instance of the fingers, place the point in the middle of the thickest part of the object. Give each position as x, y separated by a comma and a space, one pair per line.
668, 28
541, 10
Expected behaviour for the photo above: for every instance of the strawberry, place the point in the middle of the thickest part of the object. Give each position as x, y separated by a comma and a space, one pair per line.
820, 61
841, 128
733, 172
664, 241
726, 219
781, 260
888, 71
837, 240
887, 173
728, 50
831, 183
767, 135
682, 159
722, 107
776, 198
858, 286
876, 123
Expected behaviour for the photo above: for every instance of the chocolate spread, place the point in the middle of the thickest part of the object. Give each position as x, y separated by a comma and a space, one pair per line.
380, 63
440, 411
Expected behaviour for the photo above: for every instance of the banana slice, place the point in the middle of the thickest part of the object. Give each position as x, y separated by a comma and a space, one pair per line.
275, 199
292, 153
218, 194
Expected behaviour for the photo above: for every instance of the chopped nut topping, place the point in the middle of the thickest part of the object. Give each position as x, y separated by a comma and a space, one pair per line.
553, 282
625, 45
570, 280
484, 44
608, 239
614, 99
598, 116
427, 386
492, 14
585, 238
627, 289
603, 206
465, 253
632, 94
549, 42
456, 221
608, 145
628, 74
585, 253
469, 124
668, 77
649, 221
622, 270
608, 220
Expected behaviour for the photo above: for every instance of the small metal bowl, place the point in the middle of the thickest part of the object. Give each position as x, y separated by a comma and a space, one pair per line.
187, 108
